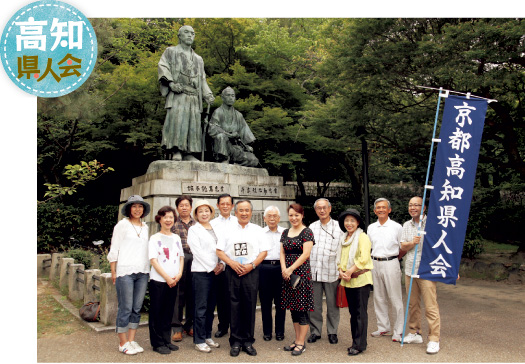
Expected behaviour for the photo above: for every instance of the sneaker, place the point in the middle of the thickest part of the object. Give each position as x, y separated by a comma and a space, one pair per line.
413, 339
211, 343
381, 333
432, 347
135, 345
203, 347
127, 349
396, 338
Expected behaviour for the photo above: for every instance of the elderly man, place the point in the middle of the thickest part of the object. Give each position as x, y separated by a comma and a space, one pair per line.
385, 235
422, 289
184, 302
270, 277
222, 225
183, 84
231, 134
324, 272
243, 250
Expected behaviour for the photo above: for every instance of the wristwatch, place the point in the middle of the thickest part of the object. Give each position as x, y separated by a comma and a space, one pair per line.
253, 265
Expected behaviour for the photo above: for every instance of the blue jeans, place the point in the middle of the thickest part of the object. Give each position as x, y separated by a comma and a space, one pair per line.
131, 289
204, 296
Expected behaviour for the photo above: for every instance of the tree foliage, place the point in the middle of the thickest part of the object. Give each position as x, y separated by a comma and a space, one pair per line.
311, 90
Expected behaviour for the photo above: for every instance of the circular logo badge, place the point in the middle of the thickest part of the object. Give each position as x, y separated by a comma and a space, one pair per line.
48, 48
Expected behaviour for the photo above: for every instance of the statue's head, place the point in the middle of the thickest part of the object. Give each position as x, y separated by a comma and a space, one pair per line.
186, 35
228, 96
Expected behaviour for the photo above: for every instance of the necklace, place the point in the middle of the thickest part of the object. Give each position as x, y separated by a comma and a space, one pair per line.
137, 232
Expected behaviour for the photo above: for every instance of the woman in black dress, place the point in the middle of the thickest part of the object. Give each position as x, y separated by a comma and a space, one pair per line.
296, 245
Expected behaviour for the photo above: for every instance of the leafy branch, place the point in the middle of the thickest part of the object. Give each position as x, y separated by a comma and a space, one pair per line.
79, 175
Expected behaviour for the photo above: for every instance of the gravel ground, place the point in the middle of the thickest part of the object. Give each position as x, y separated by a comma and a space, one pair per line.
480, 322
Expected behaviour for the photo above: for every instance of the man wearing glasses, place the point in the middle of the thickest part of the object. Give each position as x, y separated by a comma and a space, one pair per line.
421, 288
324, 272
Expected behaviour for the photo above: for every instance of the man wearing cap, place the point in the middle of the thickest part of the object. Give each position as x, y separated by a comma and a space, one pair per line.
223, 224
422, 289
184, 303
324, 272
270, 277
243, 250
385, 235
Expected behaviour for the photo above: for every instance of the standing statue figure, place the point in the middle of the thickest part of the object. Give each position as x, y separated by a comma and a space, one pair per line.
183, 83
231, 134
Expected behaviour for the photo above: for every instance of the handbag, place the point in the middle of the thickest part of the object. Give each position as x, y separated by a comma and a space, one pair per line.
90, 311
341, 297
294, 280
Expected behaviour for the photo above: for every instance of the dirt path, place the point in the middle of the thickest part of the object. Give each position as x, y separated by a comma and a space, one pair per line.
481, 322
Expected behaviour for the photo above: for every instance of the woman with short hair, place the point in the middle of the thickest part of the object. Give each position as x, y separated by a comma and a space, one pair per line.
296, 245
202, 240
167, 262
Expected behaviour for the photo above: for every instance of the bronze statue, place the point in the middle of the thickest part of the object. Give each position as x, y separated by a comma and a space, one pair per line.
183, 83
231, 135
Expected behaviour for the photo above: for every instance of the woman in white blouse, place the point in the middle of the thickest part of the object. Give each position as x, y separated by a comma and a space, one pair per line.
128, 258
202, 241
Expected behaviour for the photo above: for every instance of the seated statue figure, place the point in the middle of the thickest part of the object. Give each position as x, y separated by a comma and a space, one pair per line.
231, 135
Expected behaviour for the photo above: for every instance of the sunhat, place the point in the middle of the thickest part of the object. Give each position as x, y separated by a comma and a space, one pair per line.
135, 199
199, 203
349, 212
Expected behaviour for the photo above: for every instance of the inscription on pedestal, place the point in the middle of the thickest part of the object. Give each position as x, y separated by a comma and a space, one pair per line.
204, 188
258, 191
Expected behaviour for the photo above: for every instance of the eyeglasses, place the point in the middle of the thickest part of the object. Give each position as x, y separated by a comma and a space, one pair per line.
321, 208
414, 205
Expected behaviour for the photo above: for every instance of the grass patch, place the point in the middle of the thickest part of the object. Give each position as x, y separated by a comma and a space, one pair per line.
52, 318
493, 247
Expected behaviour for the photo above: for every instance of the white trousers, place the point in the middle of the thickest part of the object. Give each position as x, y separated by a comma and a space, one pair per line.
387, 287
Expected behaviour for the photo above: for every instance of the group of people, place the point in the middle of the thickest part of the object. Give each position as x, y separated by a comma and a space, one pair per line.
197, 263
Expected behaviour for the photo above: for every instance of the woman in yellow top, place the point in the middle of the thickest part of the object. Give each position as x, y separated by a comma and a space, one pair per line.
354, 264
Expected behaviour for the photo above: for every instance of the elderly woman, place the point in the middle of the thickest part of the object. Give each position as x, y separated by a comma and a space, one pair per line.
354, 263
296, 245
202, 240
167, 262
128, 258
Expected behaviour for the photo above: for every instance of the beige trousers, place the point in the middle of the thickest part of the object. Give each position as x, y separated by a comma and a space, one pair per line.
426, 290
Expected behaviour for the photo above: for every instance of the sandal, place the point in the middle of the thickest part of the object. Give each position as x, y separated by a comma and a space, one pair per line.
291, 347
296, 351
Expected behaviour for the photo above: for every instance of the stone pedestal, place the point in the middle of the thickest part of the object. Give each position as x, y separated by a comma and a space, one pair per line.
164, 181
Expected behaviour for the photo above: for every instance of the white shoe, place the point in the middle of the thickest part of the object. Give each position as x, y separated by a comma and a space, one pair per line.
211, 343
135, 345
127, 349
203, 347
413, 339
396, 338
381, 333
432, 347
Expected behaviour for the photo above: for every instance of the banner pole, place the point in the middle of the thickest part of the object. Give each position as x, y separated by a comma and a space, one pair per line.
434, 140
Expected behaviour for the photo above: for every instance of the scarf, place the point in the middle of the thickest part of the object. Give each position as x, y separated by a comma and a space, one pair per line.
353, 241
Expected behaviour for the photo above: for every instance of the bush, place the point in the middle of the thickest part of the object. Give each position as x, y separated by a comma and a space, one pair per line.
61, 226
472, 249
81, 256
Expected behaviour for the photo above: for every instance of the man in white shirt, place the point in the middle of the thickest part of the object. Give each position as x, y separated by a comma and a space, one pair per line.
325, 276
243, 250
270, 277
222, 224
385, 235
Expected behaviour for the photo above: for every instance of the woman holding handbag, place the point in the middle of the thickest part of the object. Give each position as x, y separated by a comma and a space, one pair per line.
297, 293
354, 263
